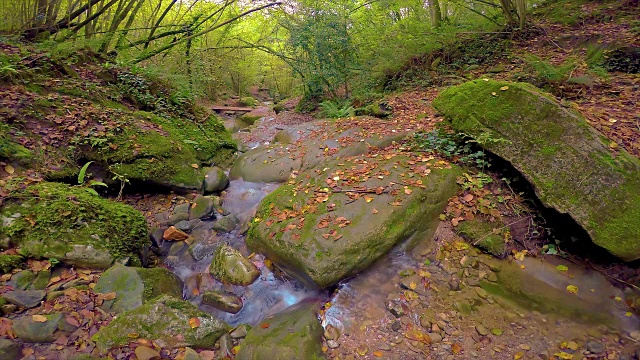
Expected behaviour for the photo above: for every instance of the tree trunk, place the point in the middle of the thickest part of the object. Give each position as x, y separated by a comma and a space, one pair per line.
436, 14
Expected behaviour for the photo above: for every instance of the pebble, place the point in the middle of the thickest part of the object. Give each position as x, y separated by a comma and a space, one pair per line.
435, 338
482, 293
424, 322
595, 347
454, 285
525, 347
332, 344
482, 330
384, 347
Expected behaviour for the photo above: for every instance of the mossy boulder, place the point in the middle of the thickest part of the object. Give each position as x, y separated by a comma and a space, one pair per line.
164, 151
481, 233
31, 331
52, 220
569, 164
223, 300
9, 262
294, 333
322, 236
165, 321
230, 267
12, 151
134, 286
215, 180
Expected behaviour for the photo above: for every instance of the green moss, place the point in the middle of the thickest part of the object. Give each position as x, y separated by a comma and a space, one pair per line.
248, 101
9, 262
249, 119
480, 233
568, 162
10, 150
53, 217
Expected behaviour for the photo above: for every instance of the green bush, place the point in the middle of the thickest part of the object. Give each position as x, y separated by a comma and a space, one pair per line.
337, 109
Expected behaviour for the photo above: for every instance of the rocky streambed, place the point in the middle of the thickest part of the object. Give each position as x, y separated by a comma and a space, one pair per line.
328, 240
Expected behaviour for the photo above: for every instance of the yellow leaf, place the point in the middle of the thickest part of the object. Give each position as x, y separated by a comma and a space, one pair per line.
377, 353
374, 211
195, 166
39, 318
9, 169
572, 289
368, 199
494, 94
628, 314
504, 88
518, 355
613, 145
520, 255
563, 355
412, 285
617, 298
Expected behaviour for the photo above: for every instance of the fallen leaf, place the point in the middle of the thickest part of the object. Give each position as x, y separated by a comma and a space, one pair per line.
195, 166
39, 318
368, 199
572, 289
504, 88
456, 348
377, 353
264, 325
562, 268
374, 211
9, 169
468, 197
563, 355
194, 322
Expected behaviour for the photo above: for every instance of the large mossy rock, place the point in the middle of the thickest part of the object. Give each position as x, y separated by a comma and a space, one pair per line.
166, 321
165, 151
134, 286
294, 333
321, 236
229, 267
72, 225
568, 163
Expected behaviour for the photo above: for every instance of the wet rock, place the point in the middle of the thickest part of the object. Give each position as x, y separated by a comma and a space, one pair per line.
595, 347
240, 332
230, 267
321, 257
135, 286
156, 236
187, 226
294, 333
41, 280
10, 350
165, 321
201, 208
226, 224
215, 180
396, 308
224, 301
225, 344
180, 213
174, 234
31, 331
332, 344
331, 332
88, 256
555, 149
200, 251
25, 298
265, 164
146, 353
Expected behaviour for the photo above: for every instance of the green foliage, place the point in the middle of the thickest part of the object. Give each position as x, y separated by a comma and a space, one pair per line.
455, 147
9, 262
337, 109
248, 101
544, 72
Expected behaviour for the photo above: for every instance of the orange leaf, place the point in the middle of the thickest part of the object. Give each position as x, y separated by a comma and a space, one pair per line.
264, 325
39, 318
194, 322
377, 353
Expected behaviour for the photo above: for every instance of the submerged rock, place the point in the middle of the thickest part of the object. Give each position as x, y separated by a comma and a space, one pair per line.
230, 267
74, 226
226, 224
165, 321
294, 333
222, 300
569, 164
201, 208
135, 286
339, 236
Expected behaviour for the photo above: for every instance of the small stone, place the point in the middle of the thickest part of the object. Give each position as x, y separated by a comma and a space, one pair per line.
215, 180
187, 225
395, 308
25, 298
454, 285
396, 325
465, 261
190, 354
525, 347
31, 331
435, 338
201, 208
496, 331
173, 234
146, 353
240, 332
384, 346
424, 322
331, 332
332, 344
482, 330
492, 277
595, 347
482, 293
406, 272
227, 224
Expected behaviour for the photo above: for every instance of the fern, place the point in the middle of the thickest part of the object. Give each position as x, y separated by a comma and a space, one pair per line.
335, 110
